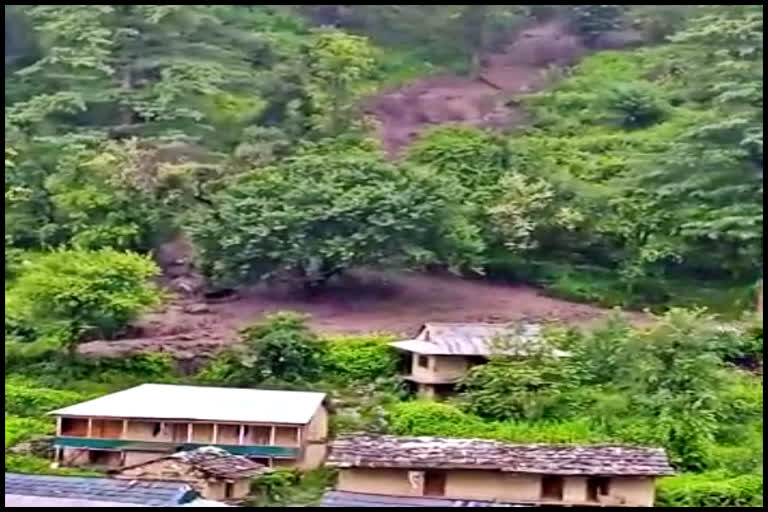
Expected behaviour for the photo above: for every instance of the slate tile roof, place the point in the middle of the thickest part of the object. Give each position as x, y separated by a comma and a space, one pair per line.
550, 459
214, 462
146, 493
357, 499
472, 339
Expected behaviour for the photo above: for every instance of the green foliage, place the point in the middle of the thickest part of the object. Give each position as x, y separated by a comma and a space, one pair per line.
317, 214
74, 293
19, 429
361, 357
32, 464
280, 348
592, 20
636, 105
288, 487
712, 489
23, 398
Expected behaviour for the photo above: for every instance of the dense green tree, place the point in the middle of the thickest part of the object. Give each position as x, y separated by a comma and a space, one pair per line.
317, 214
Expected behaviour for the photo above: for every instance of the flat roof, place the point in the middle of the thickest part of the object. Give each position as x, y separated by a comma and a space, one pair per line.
200, 403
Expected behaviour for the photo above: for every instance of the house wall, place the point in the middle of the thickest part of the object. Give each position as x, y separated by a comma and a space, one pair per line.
287, 436
639, 491
227, 434
451, 367
317, 429
202, 433
492, 485
74, 457
133, 457
313, 456
144, 430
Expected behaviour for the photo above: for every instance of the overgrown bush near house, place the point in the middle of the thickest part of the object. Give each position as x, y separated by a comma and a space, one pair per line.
72, 294
19, 429
27, 398
357, 357
31, 464
289, 487
710, 489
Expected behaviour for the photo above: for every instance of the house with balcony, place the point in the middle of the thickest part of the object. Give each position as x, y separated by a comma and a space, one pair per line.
274, 428
428, 471
441, 354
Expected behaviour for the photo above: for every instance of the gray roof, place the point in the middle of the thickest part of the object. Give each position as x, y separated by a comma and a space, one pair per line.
103, 490
358, 499
474, 339
212, 461
549, 459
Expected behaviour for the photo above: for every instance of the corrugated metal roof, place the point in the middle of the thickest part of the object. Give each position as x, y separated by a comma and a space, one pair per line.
15, 500
357, 499
172, 402
98, 490
475, 339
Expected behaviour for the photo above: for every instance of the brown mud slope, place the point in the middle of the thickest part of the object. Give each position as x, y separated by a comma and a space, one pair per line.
521, 66
364, 301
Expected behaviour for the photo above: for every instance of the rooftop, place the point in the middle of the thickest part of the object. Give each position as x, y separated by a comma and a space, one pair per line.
551, 459
213, 462
172, 402
357, 499
39, 490
475, 339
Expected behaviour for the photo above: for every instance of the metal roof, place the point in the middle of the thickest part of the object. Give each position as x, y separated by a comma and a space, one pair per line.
473, 339
198, 403
357, 499
95, 491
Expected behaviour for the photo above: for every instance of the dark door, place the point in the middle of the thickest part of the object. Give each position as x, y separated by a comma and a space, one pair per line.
434, 483
179, 433
552, 488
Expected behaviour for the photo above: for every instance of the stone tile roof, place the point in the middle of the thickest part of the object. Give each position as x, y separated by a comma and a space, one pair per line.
551, 459
471, 339
213, 462
357, 499
102, 490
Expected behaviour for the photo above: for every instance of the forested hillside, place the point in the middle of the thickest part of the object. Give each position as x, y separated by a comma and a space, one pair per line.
608, 155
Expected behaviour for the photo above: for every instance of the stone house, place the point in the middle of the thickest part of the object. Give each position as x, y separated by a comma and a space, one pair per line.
442, 353
274, 428
215, 474
495, 472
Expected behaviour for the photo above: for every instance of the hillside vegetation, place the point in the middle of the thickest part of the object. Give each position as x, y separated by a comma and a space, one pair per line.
628, 174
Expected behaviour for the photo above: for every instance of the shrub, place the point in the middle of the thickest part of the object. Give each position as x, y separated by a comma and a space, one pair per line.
18, 429
31, 464
637, 105
361, 357
24, 398
288, 487
79, 292
424, 418
711, 489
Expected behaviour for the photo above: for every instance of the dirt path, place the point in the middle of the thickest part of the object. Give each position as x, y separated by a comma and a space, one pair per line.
520, 66
366, 301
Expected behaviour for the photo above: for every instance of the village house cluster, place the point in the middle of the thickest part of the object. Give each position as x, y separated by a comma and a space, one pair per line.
213, 441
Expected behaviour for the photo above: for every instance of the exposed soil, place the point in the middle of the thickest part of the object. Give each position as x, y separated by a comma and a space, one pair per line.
521, 66
199, 321
364, 301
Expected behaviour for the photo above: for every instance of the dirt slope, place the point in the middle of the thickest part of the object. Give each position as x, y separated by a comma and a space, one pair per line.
373, 301
520, 66
365, 301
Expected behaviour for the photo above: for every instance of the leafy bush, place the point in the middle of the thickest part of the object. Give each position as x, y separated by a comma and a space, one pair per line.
24, 398
18, 429
288, 487
279, 348
711, 489
637, 105
78, 292
30, 464
360, 357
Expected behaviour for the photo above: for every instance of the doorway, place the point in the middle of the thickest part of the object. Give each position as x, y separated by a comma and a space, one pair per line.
434, 483
552, 488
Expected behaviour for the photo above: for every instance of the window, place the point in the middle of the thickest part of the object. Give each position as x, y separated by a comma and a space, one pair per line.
424, 361
156, 430
552, 488
434, 483
596, 487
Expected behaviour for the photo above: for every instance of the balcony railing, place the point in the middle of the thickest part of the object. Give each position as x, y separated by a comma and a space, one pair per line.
281, 452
